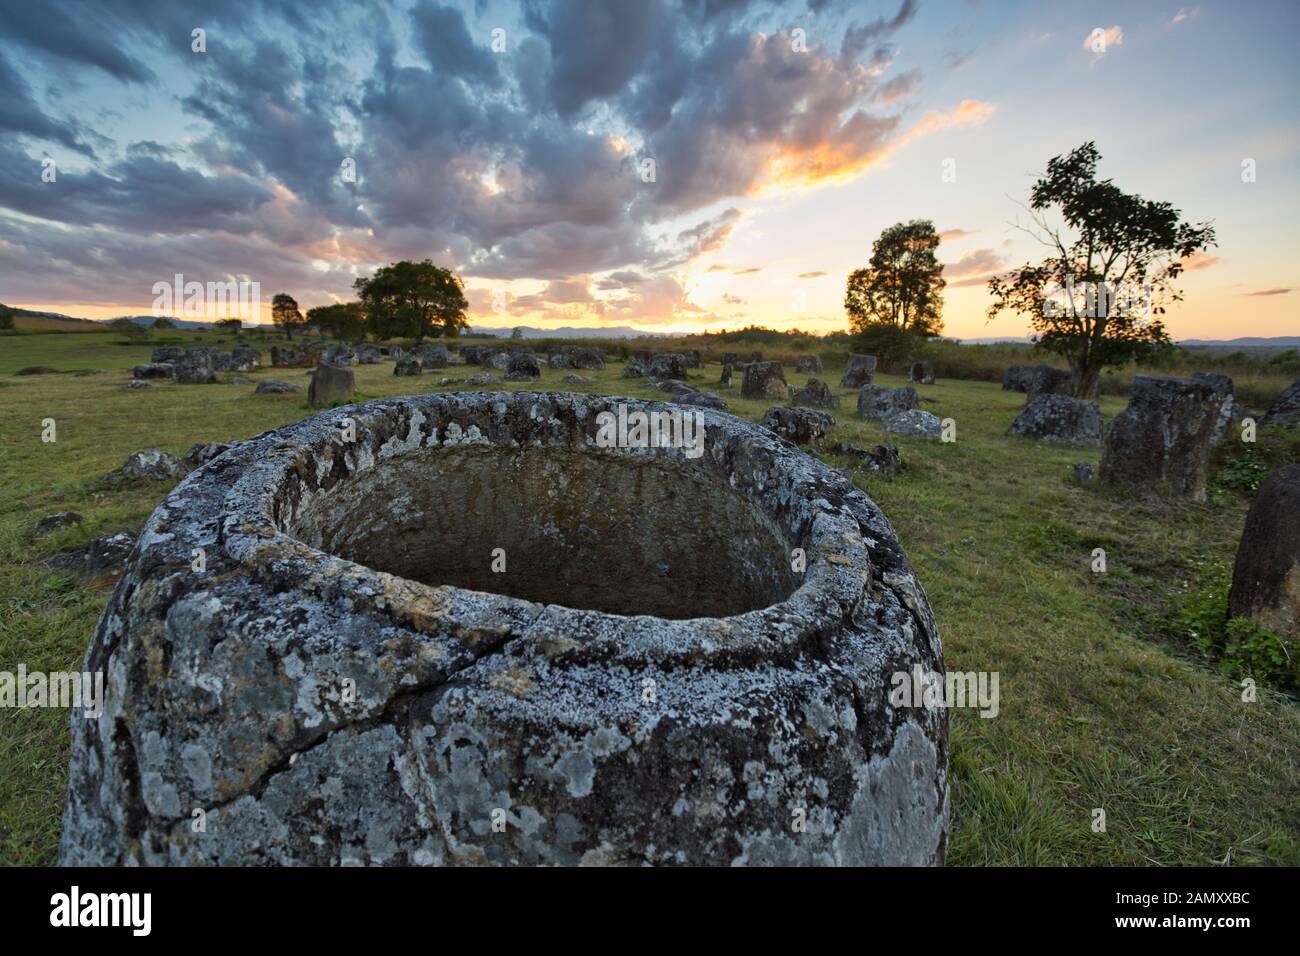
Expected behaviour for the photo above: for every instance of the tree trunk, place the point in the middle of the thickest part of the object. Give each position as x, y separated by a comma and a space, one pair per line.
1087, 383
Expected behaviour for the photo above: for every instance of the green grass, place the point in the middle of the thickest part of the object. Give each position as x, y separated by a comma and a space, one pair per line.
1104, 700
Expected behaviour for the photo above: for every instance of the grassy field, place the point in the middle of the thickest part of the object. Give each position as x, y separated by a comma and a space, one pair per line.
1103, 702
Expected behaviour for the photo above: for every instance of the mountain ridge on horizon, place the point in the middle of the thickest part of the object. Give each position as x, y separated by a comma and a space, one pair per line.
629, 332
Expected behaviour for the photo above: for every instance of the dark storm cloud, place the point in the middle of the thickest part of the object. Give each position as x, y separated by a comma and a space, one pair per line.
20, 114
141, 193
80, 34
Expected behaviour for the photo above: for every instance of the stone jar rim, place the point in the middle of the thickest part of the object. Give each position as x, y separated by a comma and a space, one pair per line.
252, 528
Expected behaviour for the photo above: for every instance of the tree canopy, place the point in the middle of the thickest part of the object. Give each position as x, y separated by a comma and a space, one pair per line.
902, 285
285, 313
1098, 296
413, 299
343, 320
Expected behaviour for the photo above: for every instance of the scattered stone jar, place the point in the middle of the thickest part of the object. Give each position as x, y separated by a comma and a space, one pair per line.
678, 655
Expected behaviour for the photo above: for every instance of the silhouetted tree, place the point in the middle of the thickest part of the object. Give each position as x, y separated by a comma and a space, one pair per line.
1113, 248
285, 314
413, 299
343, 320
902, 285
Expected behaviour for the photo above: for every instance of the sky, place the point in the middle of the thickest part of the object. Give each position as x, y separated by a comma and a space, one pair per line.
670, 165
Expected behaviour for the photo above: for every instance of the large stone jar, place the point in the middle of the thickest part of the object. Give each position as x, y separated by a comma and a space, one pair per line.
459, 629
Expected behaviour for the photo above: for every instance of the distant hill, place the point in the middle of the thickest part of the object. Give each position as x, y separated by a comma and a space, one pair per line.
1246, 342
51, 321
566, 332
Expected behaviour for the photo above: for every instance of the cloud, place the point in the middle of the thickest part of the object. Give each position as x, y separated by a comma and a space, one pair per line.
965, 113
977, 261
955, 234
1101, 40
1184, 14
811, 275
1269, 292
504, 167
1198, 261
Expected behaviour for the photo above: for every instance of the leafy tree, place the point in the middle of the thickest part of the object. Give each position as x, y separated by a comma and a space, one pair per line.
163, 323
230, 325
285, 314
1097, 298
903, 283
517, 333
6, 317
345, 321
413, 299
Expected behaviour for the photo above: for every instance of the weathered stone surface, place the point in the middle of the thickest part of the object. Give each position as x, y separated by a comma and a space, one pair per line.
1161, 441
815, 395
431, 355
1266, 577
1037, 380
921, 373
859, 371
499, 360
558, 360
484, 378
1083, 473
477, 354
1286, 410
799, 425
632, 689
167, 354
586, 358
667, 365
572, 379
808, 364
1222, 387
331, 385
271, 387
881, 458
633, 369
57, 522
882, 402
154, 370
99, 563
725, 379
202, 454
293, 356
340, 356
244, 359
408, 365
1059, 418
194, 368
914, 422
150, 464
137, 383
522, 367
765, 380
368, 354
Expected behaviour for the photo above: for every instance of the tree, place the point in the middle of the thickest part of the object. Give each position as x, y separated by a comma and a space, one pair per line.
345, 321
903, 283
285, 314
413, 299
6, 317
1112, 249
230, 325
162, 322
